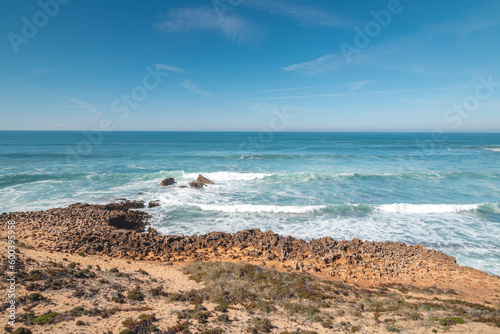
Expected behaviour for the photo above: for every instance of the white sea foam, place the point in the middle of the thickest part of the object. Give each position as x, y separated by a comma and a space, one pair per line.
427, 208
249, 208
493, 149
227, 176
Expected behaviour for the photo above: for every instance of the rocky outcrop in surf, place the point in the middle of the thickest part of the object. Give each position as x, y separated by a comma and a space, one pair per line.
167, 182
200, 182
153, 204
196, 185
203, 180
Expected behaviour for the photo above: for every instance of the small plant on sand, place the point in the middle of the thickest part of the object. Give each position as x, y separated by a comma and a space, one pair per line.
35, 297
144, 272
261, 325
157, 291
223, 318
448, 321
45, 319
393, 329
77, 311
135, 294
213, 331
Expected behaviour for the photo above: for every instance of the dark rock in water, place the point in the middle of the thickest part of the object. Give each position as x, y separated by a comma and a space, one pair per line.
183, 186
153, 204
167, 182
124, 205
196, 184
204, 180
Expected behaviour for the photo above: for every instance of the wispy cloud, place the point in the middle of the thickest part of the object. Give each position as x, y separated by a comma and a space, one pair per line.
322, 64
350, 94
304, 15
390, 55
354, 86
169, 68
194, 88
189, 19
82, 105
268, 91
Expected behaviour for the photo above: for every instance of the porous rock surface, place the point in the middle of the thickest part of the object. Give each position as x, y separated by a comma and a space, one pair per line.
116, 231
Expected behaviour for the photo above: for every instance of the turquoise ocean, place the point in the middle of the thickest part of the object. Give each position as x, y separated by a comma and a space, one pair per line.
439, 191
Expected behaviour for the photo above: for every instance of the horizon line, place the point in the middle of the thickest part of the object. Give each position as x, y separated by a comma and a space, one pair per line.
266, 130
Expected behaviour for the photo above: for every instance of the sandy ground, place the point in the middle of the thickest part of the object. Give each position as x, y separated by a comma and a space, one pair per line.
171, 278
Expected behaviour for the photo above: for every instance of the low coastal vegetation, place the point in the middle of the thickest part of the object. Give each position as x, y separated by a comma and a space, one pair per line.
227, 298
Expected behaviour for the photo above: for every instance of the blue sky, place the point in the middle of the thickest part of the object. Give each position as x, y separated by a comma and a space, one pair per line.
393, 65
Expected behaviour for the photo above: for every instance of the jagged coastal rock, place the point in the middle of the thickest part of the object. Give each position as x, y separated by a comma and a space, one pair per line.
167, 182
153, 204
125, 204
203, 180
196, 185
116, 231
200, 182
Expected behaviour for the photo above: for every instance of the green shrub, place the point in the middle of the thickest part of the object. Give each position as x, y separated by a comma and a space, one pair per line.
223, 318
135, 295
77, 311
45, 319
448, 321
213, 331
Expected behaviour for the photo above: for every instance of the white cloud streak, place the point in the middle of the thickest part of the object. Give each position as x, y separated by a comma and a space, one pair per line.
81, 105
304, 15
169, 68
379, 55
349, 94
194, 88
190, 19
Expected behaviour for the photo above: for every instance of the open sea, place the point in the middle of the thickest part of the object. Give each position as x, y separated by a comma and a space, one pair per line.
443, 193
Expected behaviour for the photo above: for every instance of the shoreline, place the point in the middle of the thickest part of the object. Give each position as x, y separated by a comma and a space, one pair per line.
118, 230
117, 233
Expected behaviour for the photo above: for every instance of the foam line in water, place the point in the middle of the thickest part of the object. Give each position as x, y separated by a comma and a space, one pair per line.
427, 208
351, 209
227, 176
249, 208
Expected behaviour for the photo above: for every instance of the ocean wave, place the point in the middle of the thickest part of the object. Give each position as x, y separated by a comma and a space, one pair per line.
352, 209
493, 149
305, 176
230, 176
250, 208
227, 176
427, 208
407, 208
